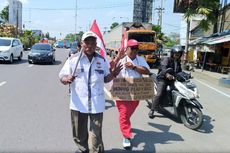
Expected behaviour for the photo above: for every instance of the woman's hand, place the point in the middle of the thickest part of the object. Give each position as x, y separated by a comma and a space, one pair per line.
129, 65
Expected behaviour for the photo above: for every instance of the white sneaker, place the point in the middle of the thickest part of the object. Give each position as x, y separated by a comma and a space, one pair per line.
126, 142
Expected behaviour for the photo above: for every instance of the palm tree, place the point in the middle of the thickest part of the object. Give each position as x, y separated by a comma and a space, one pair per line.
208, 9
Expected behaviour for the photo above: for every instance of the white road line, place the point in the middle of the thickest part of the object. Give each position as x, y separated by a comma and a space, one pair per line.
2, 83
30, 65
107, 93
213, 88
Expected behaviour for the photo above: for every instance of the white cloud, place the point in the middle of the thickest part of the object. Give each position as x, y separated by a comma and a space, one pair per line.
3, 4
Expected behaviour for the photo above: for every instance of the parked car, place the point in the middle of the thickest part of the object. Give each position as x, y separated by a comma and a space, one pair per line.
41, 53
10, 48
74, 48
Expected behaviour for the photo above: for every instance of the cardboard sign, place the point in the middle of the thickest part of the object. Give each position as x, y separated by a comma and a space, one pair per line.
132, 88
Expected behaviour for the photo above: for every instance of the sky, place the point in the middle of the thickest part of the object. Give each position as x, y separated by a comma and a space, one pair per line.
58, 16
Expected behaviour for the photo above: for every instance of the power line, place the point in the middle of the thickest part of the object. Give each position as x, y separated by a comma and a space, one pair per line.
171, 25
73, 9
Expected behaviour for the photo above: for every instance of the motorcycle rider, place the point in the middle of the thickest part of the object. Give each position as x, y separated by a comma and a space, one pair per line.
165, 78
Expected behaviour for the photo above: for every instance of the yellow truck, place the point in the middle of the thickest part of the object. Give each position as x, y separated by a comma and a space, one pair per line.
142, 32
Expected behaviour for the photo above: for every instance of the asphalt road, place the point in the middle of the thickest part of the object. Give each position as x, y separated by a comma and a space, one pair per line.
35, 116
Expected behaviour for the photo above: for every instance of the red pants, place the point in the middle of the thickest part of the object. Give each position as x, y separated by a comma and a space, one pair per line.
126, 109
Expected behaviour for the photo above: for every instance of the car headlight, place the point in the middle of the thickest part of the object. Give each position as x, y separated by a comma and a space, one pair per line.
6, 51
50, 54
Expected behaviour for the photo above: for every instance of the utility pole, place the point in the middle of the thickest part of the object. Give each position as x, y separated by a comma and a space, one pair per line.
187, 37
160, 12
75, 29
16, 33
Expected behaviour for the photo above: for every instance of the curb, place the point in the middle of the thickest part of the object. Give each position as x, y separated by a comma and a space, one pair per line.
224, 82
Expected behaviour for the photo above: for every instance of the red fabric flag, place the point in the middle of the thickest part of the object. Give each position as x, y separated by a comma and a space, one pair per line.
100, 42
124, 41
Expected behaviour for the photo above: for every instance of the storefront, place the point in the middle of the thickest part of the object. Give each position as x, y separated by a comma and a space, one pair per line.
213, 52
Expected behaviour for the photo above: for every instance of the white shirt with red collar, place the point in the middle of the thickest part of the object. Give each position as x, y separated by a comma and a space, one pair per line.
87, 90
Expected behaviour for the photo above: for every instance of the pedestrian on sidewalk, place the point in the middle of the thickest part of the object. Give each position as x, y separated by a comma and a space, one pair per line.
86, 73
133, 67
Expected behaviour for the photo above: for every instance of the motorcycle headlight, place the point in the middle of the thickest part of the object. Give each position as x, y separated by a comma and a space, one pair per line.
196, 93
189, 93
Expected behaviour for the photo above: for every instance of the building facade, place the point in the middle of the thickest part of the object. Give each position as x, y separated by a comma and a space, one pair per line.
15, 13
142, 11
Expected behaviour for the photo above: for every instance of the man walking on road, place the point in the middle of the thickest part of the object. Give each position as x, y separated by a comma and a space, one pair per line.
86, 73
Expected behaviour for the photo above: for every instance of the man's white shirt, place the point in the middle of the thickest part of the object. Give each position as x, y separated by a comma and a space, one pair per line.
87, 90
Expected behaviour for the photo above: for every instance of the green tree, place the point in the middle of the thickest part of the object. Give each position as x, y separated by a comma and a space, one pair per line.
156, 28
73, 37
47, 35
208, 9
114, 25
171, 40
27, 39
5, 13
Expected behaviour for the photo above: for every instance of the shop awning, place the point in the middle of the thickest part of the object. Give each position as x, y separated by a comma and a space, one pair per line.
218, 40
198, 41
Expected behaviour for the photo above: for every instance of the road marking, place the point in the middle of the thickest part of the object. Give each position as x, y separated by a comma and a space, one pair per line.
107, 93
30, 65
2, 83
213, 88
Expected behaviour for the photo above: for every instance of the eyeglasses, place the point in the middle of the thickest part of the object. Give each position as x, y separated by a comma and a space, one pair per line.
134, 48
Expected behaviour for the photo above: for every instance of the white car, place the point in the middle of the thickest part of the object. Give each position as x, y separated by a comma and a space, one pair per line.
10, 48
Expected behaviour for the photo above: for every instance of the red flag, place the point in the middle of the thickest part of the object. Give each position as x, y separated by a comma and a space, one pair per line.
100, 42
124, 41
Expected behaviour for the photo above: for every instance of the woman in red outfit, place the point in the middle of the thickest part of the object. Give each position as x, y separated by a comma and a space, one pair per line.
133, 67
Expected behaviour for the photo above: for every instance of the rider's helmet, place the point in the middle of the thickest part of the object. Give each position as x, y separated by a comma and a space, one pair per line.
177, 49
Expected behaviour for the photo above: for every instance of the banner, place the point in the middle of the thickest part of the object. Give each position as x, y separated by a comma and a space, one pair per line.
132, 88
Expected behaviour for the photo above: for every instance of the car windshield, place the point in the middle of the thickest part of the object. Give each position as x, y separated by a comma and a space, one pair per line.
41, 47
142, 37
4, 42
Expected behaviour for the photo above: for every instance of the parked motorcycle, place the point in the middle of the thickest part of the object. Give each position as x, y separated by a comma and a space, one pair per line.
181, 101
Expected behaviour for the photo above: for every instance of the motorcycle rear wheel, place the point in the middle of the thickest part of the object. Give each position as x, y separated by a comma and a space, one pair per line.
194, 119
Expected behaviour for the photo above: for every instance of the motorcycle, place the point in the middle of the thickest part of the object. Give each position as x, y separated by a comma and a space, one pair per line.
181, 100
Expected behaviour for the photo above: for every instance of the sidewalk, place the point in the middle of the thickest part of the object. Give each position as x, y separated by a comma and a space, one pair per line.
211, 74
222, 80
